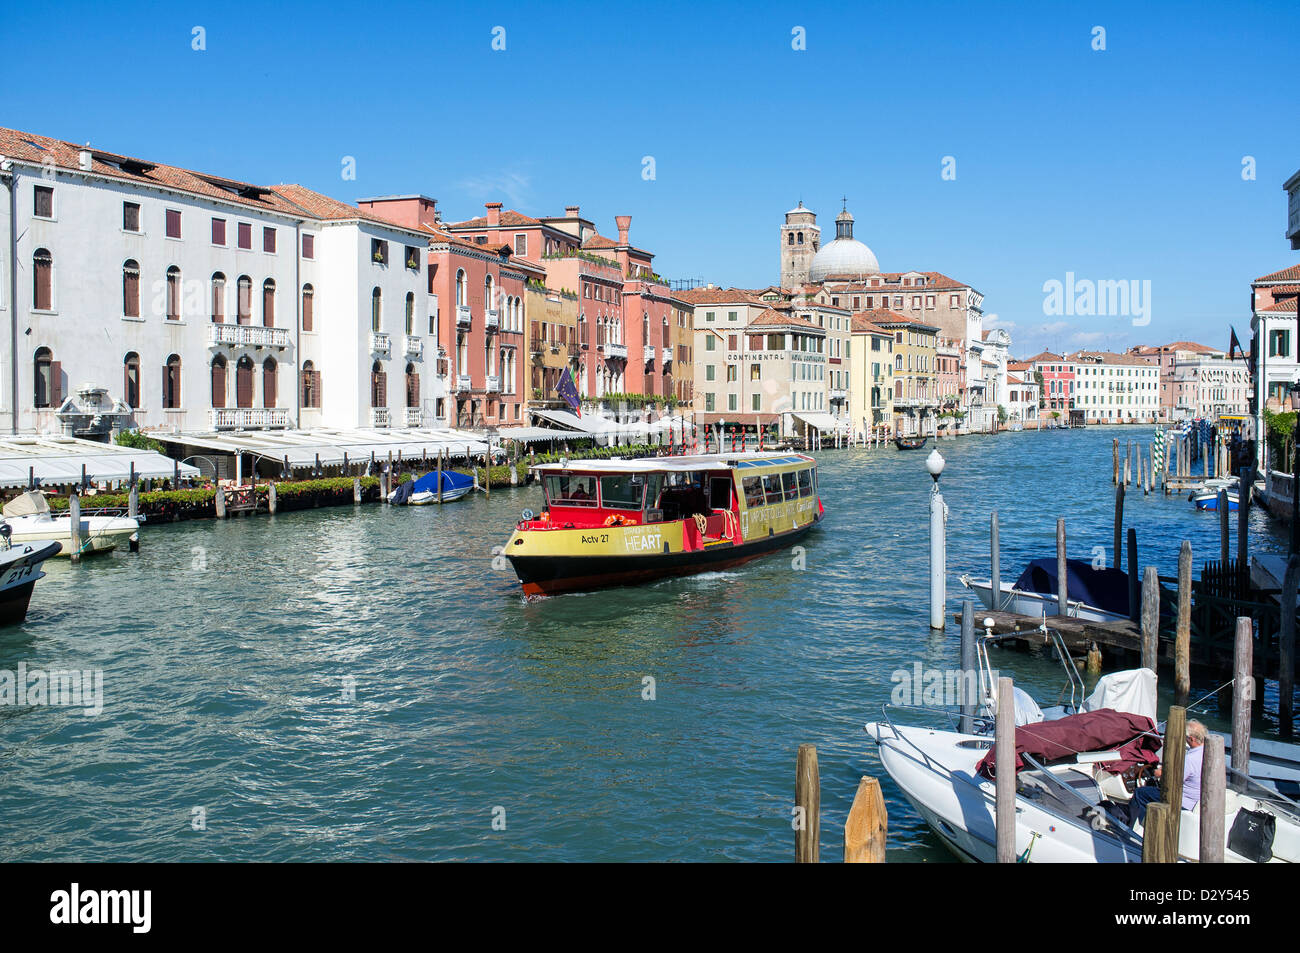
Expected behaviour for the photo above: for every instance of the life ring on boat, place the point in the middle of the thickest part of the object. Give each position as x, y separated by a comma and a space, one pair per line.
614, 520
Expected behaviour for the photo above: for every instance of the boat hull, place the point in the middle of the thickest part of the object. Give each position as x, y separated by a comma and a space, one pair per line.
448, 496
20, 568
99, 534
1035, 604
551, 574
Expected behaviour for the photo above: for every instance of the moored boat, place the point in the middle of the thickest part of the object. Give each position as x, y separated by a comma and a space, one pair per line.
618, 522
1100, 595
30, 522
424, 490
20, 567
912, 442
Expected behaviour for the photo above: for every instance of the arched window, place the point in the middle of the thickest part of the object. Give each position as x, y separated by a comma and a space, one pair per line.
218, 381
244, 290
131, 288
131, 380
308, 303
244, 382
410, 313
789, 238
376, 308
43, 280
800, 240
46, 379
173, 293
218, 298
310, 385
412, 386
268, 303
270, 378
378, 386
460, 288
172, 383
488, 301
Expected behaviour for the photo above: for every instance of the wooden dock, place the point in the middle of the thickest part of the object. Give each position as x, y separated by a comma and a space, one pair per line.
1078, 634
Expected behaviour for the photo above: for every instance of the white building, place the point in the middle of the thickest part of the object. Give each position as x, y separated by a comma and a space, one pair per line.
200, 302
1208, 386
1115, 388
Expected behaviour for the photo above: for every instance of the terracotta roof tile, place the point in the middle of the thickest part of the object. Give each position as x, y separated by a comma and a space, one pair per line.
509, 219
1286, 274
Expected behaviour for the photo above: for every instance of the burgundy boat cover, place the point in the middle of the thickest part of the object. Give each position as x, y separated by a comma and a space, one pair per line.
1134, 736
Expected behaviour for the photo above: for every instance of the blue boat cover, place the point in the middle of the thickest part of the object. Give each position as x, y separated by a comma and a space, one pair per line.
429, 484
1103, 588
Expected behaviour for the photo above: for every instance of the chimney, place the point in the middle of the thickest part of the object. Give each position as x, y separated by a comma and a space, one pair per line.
570, 211
624, 222
84, 160
493, 214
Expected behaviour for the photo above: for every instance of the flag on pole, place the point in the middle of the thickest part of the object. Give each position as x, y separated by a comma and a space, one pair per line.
566, 388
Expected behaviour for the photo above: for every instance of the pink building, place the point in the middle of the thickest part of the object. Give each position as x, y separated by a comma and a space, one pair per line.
480, 289
1058, 381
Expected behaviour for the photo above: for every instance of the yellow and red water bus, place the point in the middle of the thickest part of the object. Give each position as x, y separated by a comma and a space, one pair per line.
616, 522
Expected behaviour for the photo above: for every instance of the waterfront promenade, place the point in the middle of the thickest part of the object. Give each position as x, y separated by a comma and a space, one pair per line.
362, 683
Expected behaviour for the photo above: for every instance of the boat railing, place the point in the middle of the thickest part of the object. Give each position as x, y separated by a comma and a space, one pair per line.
953, 718
1099, 819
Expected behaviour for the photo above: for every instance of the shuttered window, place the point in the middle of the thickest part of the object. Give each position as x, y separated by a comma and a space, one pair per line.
309, 246
43, 283
173, 223
245, 233
308, 305
218, 298
171, 389
219, 382
412, 387
244, 293
131, 288
43, 201
131, 380
173, 293
270, 379
244, 383
268, 240
378, 386
130, 217
268, 303
218, 231
311, 389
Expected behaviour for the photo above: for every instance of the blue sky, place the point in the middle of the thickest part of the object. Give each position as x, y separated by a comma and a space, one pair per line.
1121, 164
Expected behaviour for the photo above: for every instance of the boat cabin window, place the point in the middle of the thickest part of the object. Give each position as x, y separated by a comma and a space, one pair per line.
570, 490
684, 496
720, 493
622, 492
789, 486
772, 487
805, 483
753, 492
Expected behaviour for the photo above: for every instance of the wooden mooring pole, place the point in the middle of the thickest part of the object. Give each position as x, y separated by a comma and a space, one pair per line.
1117, 552
1286, 650
1224, 534
270, 498
867, 826
1004, 764
969, 667
1151, 620
1171, 768
1183, 632
1213, 801
807, 800
1114, 451
74, 522
1243, 694
1062, 583
995, 562
1243, 520
1134, 584
1156, 846
219, 502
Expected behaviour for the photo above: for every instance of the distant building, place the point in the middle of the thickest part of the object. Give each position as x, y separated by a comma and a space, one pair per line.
1057, 391
871, 376
1116, 388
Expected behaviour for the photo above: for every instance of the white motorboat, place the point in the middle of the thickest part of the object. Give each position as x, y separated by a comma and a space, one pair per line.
30, 522
20, 567
1101, 594
1034, 604
1065, 811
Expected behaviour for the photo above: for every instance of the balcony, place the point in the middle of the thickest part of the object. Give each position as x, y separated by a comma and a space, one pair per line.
463, 316
838, 395
493, 384
414, 417
413, 347
247, 418
668, 358
462, 383
616, 350
649, 353
492, 319
379, 417
379, 343
247, 335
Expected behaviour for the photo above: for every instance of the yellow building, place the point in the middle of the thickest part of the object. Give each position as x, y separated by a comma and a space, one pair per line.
871, 378
682, 351
916, 377
551, 342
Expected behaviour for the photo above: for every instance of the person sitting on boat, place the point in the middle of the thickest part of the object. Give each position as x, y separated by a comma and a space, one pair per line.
1191, 776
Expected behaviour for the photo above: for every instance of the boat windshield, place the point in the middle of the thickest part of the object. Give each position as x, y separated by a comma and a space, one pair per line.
622, 492
568, 489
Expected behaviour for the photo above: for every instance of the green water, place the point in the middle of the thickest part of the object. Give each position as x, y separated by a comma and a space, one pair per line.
362, 684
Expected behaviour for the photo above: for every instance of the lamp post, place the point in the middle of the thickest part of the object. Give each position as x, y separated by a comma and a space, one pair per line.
1294, 395
938, 542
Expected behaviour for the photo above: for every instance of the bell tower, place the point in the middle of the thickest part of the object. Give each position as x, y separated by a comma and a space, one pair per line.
800, 239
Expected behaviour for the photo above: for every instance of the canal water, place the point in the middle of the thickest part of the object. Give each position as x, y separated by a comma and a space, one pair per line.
363, 684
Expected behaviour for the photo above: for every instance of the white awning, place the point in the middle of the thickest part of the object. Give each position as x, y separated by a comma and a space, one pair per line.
304, 448
57, 460
588, 424
537, 434
821, 421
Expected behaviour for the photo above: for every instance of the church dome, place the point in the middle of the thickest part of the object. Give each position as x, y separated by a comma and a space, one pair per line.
844, 256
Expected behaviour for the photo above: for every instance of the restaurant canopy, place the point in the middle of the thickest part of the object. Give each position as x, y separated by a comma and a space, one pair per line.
820, 421
57, 460
305, 448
